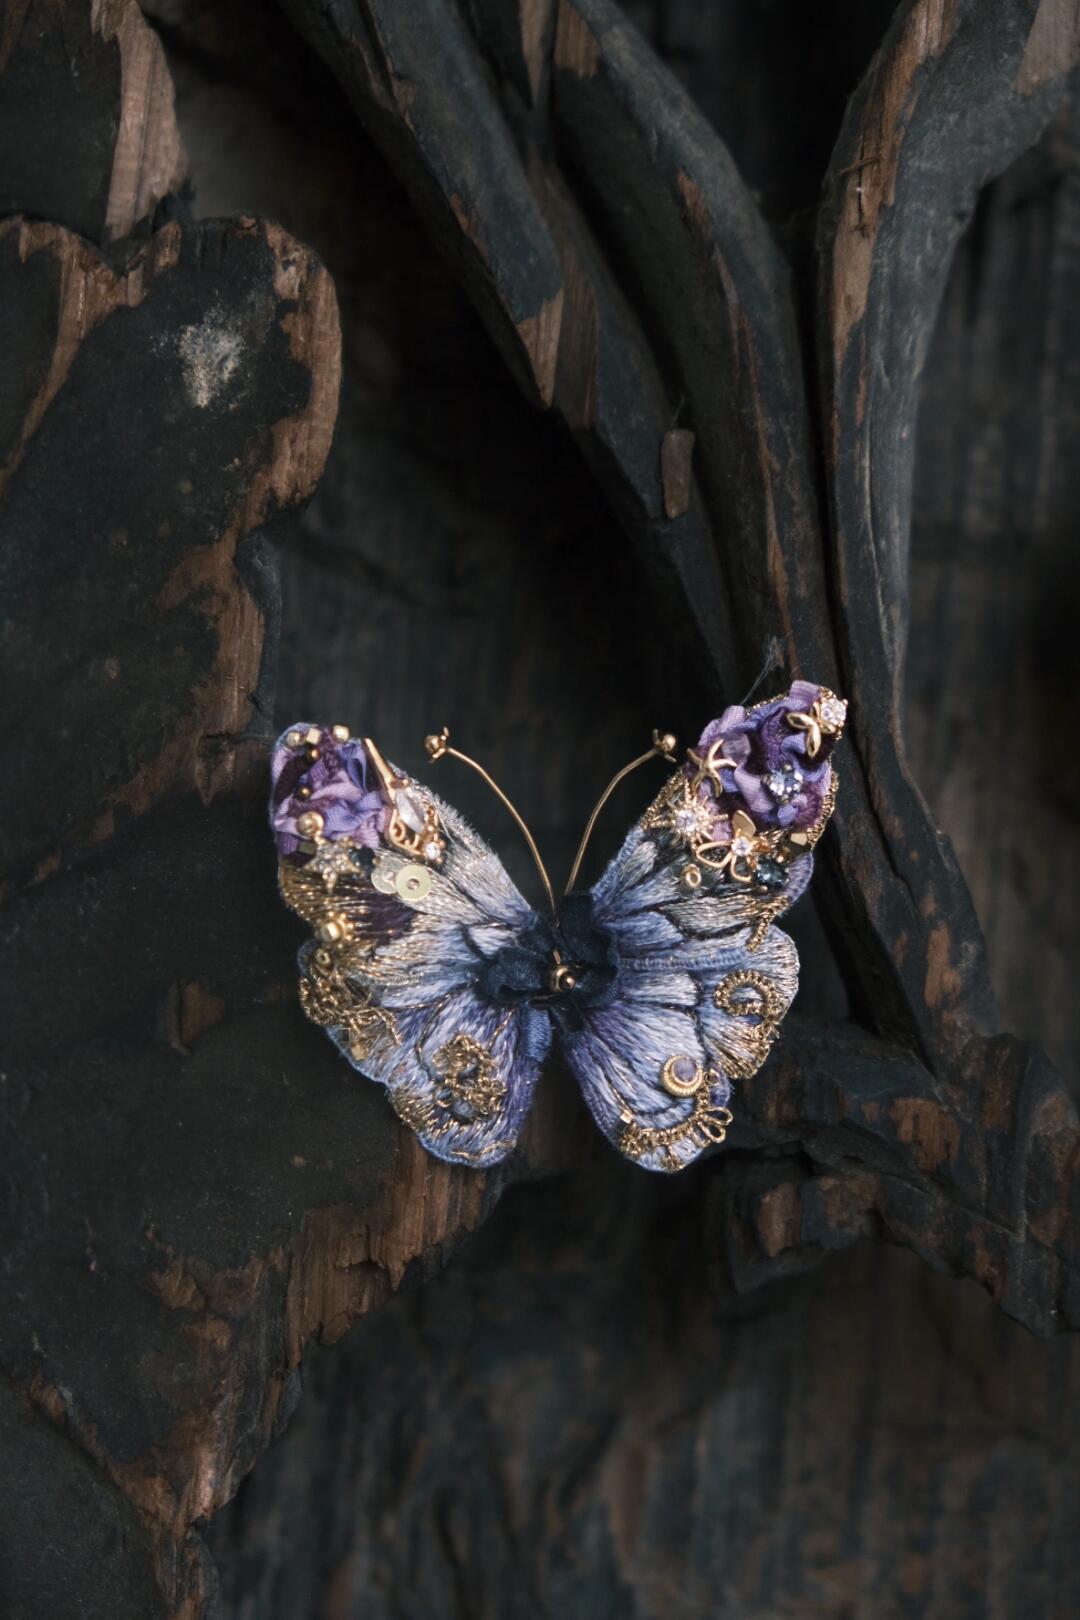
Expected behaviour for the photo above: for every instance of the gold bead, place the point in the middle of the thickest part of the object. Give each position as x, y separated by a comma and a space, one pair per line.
303, 791
293, 739
340, 733
309, 823
561, 978
332, 931
665, 743
312, 753
435, 744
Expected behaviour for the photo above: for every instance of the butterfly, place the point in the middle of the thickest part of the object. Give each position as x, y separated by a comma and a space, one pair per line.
666, 982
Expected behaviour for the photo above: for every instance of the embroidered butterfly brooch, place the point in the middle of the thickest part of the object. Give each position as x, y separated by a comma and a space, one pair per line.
666, 981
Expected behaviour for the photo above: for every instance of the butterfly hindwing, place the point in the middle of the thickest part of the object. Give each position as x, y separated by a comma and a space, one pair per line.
403, 938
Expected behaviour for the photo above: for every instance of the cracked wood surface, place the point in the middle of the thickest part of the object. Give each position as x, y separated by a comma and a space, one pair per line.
239, 1195
755, 558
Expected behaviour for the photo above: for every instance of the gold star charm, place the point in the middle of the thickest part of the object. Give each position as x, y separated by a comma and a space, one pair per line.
709, 768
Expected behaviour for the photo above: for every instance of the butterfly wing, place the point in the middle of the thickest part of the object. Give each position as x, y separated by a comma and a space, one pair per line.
412, 912
702, 977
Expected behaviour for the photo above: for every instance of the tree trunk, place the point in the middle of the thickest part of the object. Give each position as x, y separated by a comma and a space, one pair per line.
553, 371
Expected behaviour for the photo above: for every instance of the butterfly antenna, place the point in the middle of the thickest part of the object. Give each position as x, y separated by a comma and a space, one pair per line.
438, 747
663, 747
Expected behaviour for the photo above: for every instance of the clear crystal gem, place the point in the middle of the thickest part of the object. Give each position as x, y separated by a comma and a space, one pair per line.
784, 782
691, 821
833, 711
331, 861
741, 845
432, 851
410, 809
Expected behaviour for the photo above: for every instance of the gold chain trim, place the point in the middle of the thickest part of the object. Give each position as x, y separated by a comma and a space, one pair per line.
706, 1124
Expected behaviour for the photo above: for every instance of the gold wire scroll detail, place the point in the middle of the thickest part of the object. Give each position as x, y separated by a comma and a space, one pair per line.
706, 1124
426, 1120
469, 1076
767, 1007
329, 1000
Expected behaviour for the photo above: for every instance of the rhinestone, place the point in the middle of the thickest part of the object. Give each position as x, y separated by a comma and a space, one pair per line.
332, 861
742, 845
432, 851
770, 874
692, 821
833, 712
293, 739
784, 782
410, 809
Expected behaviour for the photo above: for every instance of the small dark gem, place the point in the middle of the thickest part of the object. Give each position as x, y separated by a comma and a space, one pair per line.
771, 874
364, 858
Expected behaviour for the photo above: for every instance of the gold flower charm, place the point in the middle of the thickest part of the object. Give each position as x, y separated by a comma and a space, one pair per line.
740, 856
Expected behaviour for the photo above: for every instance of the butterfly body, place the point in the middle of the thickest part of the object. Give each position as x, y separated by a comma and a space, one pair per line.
664, 983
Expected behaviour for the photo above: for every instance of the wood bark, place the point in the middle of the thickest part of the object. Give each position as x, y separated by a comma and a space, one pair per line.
626, 416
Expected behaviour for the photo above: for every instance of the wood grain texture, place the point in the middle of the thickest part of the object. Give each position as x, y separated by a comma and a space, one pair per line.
164, 412
698, 314
91, 83
578, 1418
628, 1398
872, 1440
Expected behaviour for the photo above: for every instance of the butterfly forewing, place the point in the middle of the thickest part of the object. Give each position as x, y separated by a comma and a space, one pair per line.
401, 941
702, 976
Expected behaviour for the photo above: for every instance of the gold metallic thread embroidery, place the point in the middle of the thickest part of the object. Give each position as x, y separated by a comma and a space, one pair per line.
471, 1086
707, 1123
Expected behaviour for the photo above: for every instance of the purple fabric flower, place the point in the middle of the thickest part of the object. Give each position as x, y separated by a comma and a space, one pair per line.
771, 775
344, 790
